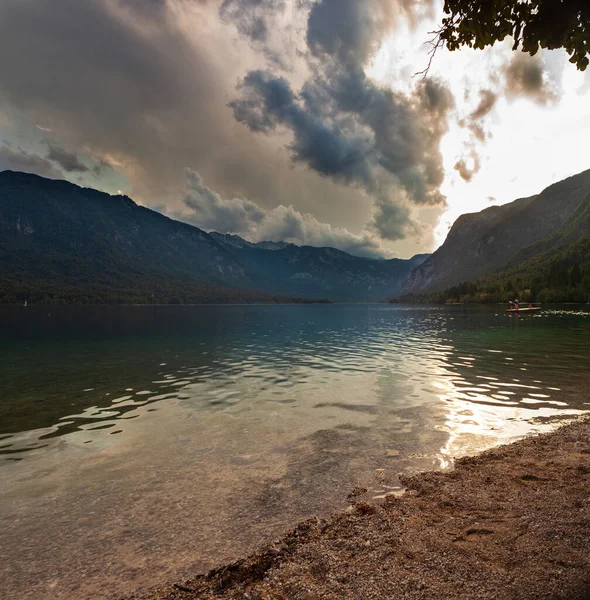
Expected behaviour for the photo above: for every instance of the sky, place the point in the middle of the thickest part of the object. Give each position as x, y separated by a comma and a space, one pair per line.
295, 120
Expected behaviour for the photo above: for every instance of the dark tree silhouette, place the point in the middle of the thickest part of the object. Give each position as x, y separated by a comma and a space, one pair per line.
533, 24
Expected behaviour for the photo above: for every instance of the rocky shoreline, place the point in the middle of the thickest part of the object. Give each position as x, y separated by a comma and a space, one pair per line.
511, 523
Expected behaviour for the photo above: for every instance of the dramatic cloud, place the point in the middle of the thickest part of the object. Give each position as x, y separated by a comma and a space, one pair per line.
347, 126
127, 82
211, 212
331, 148
525, 77
130, 84
391, 220
401, 133
19, 160
351, 31
153, 100
145, 85
68, 161
326, 123
243, 217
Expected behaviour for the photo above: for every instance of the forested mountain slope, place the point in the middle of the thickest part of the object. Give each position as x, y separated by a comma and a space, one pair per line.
59, 241
502, 237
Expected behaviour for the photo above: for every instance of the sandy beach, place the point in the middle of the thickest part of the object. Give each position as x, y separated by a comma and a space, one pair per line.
511, 523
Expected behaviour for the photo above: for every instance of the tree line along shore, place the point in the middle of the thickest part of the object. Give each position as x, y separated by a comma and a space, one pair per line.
562, 277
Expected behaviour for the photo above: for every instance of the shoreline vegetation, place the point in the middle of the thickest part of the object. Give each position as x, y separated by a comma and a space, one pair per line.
136, 293
551, 278
510, 523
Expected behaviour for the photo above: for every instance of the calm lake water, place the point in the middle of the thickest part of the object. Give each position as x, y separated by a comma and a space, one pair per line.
145, 444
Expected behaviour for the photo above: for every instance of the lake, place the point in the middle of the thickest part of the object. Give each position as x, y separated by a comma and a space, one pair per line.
145, 444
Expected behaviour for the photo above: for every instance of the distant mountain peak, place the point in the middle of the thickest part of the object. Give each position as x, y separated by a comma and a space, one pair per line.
236, 241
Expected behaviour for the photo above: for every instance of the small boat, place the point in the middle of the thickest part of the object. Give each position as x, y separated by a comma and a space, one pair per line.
524, 310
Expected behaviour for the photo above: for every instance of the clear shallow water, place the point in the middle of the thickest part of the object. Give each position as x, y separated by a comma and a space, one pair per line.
168, 439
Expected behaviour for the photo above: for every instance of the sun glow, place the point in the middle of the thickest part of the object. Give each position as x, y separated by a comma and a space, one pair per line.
527, 145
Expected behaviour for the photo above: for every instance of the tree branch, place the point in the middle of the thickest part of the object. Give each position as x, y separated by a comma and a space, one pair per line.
436, 42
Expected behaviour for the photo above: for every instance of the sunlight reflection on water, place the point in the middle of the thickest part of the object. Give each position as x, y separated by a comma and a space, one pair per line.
170, 439
464, 362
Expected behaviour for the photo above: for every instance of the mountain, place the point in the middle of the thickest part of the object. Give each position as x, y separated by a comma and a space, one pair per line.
59, 237
59, 241
235, 241
319, 272
503, 237
555, 269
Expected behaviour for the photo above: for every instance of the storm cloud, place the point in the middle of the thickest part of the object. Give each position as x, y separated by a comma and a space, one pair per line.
351, 130
209, 211
402, 132
213, 213
268, 100
346, 127
139, 90
351, 31
332, 147
120, 62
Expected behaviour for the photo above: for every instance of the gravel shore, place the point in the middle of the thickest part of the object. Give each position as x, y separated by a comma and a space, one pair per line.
512, 523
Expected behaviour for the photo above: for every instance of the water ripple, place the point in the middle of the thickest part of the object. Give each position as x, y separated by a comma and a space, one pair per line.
399, 356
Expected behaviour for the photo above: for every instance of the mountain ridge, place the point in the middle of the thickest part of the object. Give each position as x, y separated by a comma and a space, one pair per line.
55, 233
482, 243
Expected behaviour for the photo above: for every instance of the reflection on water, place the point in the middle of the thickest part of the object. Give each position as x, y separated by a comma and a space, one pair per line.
223, 425
123, 362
